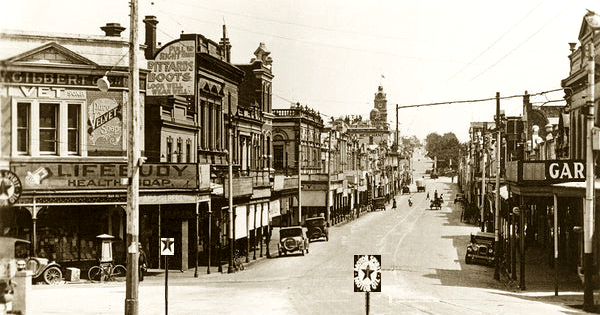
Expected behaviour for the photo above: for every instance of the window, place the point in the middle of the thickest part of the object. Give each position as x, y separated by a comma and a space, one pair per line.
73, 124
23, 128
48, 128
169, 150
48, 123
188, 149
179, 147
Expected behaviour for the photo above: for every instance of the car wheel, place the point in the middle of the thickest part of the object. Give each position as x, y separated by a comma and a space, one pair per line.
52, 275
467, 260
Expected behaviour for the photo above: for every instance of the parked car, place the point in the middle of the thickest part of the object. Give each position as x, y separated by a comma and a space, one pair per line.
317, 228
292, 239
43, 269
459, 198
481, 248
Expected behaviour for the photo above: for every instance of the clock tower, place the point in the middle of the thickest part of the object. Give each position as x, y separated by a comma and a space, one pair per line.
380, 103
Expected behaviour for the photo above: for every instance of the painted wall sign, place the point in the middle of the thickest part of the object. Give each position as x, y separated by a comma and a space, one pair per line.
565, 171
20, 77
52, 92
172, 71
52, 176
105, 121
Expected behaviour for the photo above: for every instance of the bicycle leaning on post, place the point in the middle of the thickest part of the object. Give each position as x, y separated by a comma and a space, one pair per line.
107, 272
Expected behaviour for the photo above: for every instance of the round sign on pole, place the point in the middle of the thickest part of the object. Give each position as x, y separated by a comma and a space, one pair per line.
10, 188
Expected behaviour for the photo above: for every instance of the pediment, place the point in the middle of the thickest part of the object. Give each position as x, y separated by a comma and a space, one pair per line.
51, 54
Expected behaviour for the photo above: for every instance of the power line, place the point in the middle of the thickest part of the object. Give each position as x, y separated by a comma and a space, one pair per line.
354, 49
301, 24
526, 40
476, 100
497, 40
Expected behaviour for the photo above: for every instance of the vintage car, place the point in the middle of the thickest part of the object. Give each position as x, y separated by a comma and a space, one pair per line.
420, 185
317, 228
292, 239
379, 203
481, 248
405, 190
16, 251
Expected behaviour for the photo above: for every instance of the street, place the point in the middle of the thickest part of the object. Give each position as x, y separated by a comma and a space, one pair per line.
422, 260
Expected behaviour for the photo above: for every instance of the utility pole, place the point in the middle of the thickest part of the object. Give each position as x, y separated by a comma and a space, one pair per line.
230, 186
588, 217
327, 199
133, 171
497, 205
299, 165
483, 178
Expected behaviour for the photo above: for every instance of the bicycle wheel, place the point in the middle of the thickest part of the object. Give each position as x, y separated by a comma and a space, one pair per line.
119, 272
95, 273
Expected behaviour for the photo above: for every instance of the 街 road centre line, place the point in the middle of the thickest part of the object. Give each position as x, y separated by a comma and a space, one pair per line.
409, 214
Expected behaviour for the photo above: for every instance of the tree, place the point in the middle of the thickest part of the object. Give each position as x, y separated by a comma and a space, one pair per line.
445, 148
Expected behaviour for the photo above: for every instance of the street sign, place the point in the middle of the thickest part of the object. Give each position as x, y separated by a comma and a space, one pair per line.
367, 273
167, 246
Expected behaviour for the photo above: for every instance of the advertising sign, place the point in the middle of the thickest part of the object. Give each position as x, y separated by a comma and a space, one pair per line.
105, 121
565, 171
71, 176
172, 71
10, 188
367, 273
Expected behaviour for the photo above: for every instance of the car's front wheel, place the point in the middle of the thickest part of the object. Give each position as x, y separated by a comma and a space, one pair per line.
467, 259
52, 275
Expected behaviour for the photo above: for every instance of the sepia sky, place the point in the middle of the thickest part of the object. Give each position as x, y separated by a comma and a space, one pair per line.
332, 55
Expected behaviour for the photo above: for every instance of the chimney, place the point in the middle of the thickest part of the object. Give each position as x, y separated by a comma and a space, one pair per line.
113, 29
226, 45
151, 48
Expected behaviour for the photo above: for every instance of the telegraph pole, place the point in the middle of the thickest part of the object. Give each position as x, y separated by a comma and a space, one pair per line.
483, 179
588, 217
497, 206
133, 171
327, 199
299, 165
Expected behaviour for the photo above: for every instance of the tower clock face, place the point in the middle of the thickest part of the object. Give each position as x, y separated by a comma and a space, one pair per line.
380, 106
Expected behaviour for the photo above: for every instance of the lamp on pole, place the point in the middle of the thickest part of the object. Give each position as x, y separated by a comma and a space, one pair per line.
593, 20
133, 172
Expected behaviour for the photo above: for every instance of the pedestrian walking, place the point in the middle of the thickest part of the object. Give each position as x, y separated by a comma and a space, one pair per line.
142, 262
427, 196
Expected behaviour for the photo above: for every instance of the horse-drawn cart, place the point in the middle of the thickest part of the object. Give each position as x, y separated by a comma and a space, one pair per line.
436, 203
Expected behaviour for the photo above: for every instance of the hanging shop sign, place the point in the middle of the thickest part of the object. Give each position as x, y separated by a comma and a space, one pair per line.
98, 176
172, 70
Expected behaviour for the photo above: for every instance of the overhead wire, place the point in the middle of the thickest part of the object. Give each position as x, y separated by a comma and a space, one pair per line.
496, 41
526, 40
262, 18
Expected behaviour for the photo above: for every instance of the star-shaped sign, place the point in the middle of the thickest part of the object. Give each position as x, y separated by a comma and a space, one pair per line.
167, 247
367, 272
